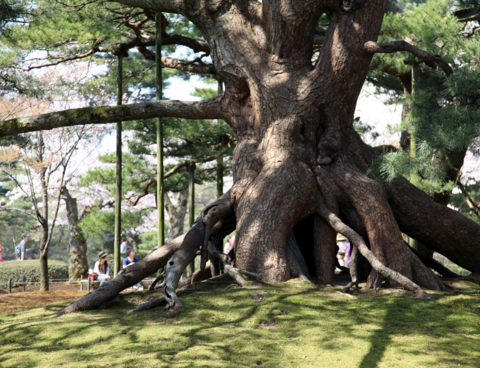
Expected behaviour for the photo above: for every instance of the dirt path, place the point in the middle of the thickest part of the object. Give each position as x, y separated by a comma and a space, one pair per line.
32, 298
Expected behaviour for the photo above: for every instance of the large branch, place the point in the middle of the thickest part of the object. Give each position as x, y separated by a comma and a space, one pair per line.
195, 45
143, 41
468, 15
167, 6
442, 229
128, 277
176, 169
431, 59
207, 109
194, 66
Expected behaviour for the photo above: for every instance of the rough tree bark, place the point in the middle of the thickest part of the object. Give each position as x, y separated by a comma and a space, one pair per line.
78, 265
176, 213
44, 229
296, 143
125, 279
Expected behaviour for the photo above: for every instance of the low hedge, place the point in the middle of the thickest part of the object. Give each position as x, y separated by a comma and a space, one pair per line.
30, 268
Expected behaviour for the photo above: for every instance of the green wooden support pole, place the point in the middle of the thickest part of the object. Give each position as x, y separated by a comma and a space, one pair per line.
160, 187
220, 156
118, 195
413, 139
191, 189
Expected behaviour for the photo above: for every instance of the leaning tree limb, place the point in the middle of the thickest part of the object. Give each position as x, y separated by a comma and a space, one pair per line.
431, 59
129, 277
187, 246
229, 269
162, 301
213, 214
180, 260
213, 219
358, 242
206, 109
434, 264
441, 228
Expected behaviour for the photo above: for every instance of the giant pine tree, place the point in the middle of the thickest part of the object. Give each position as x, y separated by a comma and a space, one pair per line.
298, 158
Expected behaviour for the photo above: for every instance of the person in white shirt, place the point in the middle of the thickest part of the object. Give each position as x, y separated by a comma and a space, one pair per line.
102, 268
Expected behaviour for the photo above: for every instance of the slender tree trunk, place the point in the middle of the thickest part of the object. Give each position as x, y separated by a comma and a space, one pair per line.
118, 175
159, 92
176, 213
44, 282
77, 243
191, 189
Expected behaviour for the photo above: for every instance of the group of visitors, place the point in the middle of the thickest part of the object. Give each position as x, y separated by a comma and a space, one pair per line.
102, 269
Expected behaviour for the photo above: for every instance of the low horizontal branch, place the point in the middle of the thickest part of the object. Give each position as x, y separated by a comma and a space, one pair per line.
431, 59
184, 65
145, 41
207, 109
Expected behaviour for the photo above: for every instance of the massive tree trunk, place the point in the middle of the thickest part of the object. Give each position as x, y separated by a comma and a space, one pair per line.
78, 264
297, 149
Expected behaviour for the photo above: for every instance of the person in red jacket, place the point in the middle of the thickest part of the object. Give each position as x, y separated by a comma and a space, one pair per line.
1, 259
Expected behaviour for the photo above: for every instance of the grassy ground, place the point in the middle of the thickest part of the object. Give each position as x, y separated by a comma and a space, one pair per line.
288, 325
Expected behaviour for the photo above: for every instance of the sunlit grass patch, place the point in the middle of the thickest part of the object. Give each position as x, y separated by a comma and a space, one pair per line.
279, 325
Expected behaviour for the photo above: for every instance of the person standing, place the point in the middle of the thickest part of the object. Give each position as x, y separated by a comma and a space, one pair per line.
131, 259
1, 259
102, 268
124, 245
21, 248
231, 249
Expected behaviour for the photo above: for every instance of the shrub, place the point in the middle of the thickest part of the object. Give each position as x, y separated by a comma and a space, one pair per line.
30, 268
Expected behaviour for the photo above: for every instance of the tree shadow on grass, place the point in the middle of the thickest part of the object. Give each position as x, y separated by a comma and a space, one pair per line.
413, 328
290, 324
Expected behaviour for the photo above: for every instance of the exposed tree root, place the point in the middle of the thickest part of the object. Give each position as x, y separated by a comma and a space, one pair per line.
180, 251
200, 274
435, 265
215, 218
358, 242
229, 269
162, 301
129, 277
172, 299
442, 229
155, 282
180, 260
257, 276
159, 302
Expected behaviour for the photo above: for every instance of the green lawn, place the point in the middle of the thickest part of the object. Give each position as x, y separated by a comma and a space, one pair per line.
288, 325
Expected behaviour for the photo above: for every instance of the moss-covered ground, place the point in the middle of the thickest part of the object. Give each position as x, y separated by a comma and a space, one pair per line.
292, 324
